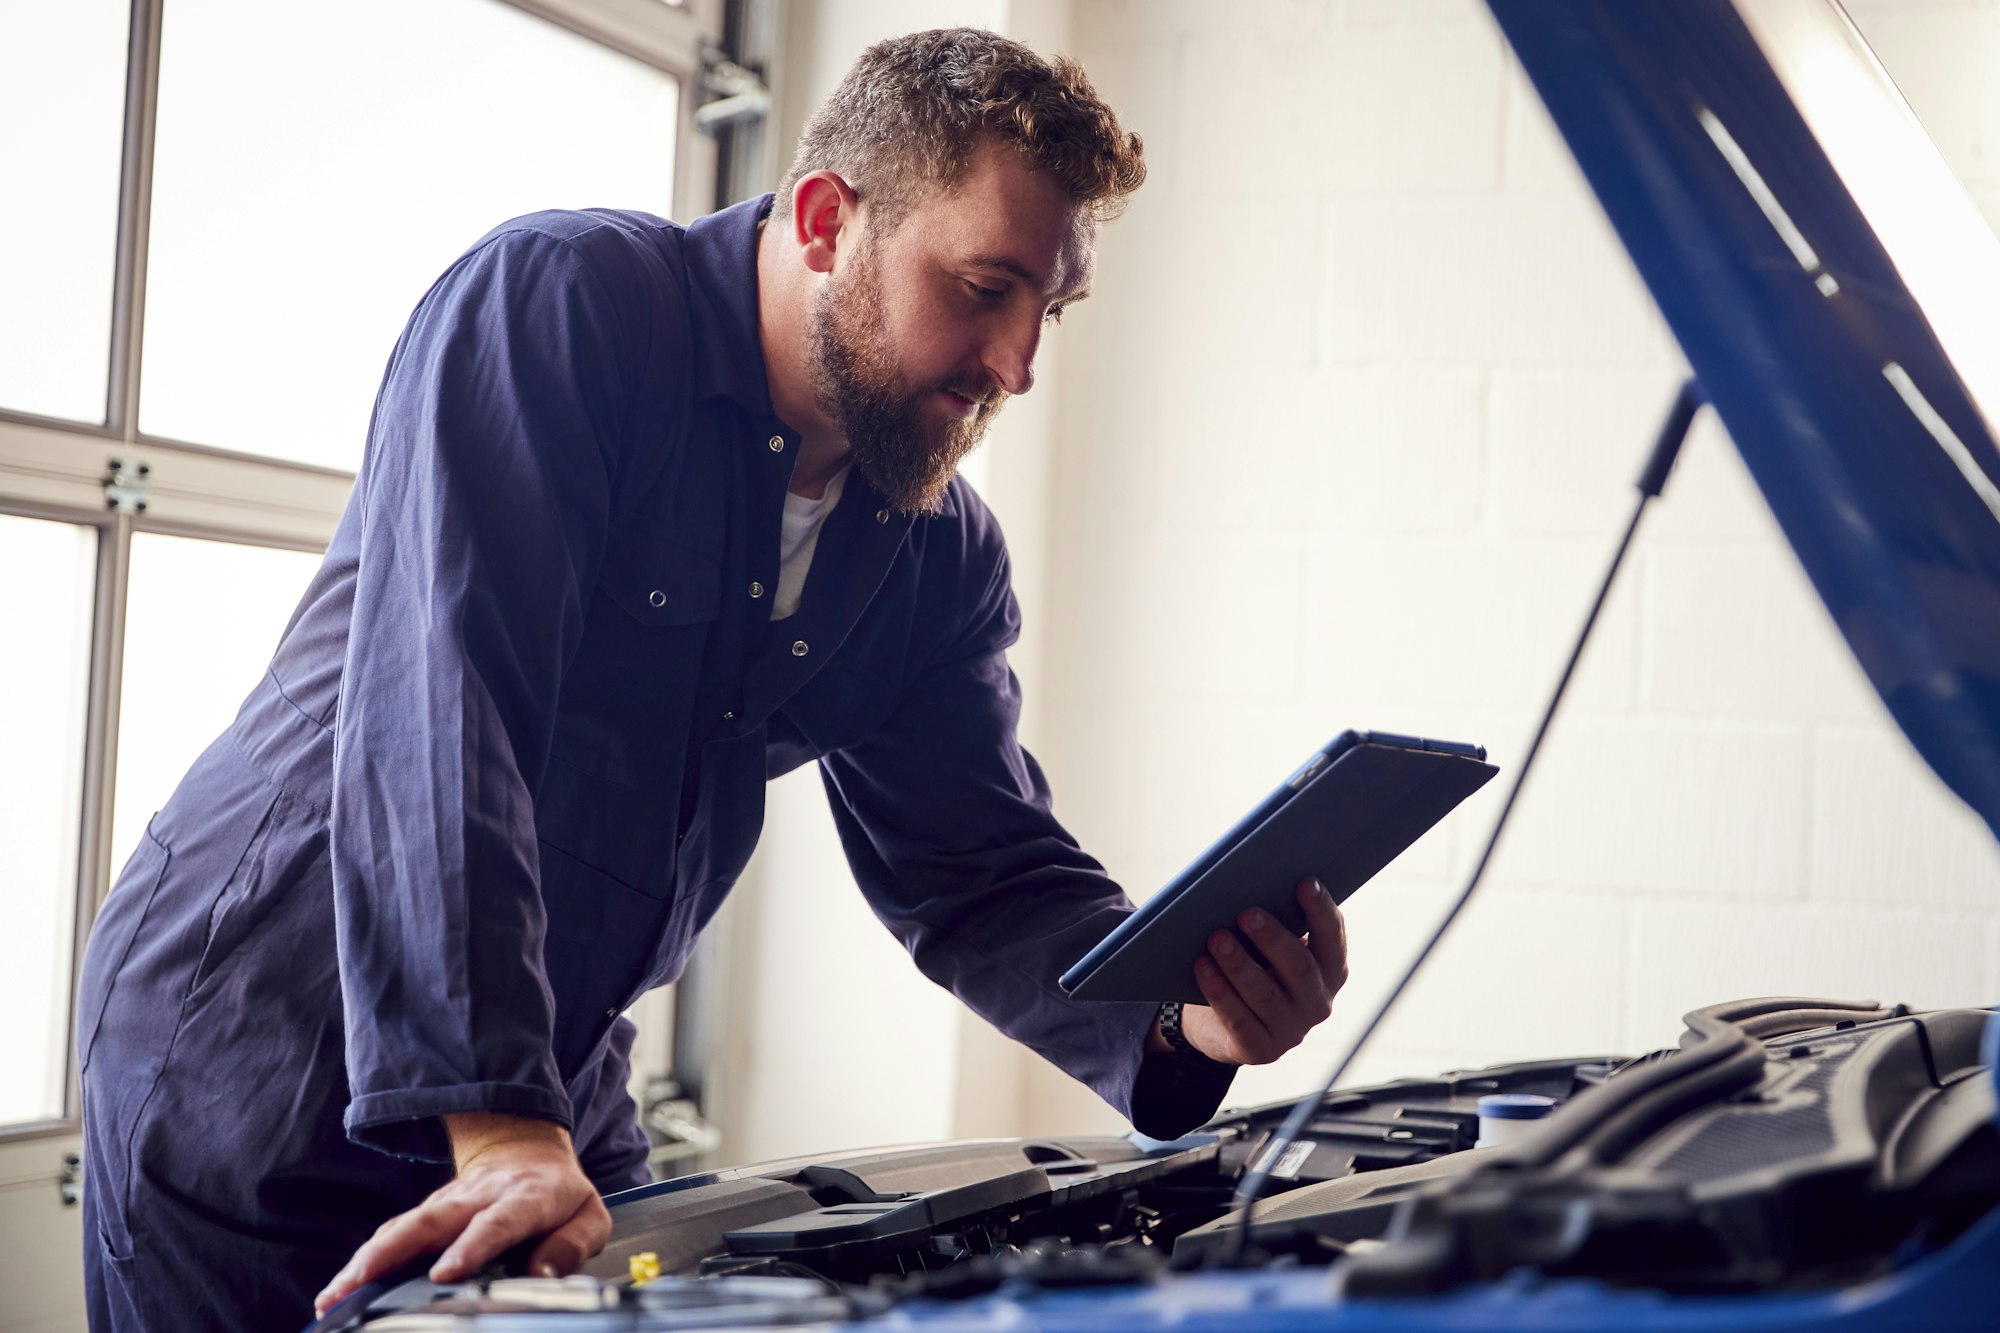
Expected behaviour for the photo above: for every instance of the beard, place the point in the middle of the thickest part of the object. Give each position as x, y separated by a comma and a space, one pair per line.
909, 459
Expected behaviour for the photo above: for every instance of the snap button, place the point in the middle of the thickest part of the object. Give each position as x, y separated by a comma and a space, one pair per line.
729, 715
799, 648
777, 444
756, 588
881, 516
656, 597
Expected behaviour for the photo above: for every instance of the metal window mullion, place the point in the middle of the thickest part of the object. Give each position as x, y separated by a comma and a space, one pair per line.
100, 753
135, 210
196, 492
114, 533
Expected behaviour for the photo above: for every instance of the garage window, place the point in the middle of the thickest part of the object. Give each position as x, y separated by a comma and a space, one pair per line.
230, 207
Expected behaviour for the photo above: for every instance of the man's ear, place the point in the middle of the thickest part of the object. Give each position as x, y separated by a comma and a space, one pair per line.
825, 217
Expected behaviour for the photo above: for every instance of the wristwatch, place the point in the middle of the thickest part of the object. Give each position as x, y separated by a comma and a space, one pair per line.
1170, 1028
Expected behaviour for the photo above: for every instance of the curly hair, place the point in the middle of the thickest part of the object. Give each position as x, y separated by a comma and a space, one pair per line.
914, 109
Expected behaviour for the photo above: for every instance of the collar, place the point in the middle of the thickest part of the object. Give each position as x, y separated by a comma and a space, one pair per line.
721, 254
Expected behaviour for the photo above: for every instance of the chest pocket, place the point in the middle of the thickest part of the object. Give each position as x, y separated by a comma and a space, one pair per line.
611, 795
660, 584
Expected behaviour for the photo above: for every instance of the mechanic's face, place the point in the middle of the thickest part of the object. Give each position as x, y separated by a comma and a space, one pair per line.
921, 335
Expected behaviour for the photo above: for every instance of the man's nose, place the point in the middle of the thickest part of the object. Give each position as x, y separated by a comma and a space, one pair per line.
1010, 357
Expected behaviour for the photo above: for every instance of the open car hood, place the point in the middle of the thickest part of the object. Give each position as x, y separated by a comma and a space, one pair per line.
1838, 297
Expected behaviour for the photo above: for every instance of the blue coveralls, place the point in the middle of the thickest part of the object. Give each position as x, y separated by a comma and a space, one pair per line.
510, 756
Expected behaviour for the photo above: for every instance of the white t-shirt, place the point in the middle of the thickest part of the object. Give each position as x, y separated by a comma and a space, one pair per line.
797, 537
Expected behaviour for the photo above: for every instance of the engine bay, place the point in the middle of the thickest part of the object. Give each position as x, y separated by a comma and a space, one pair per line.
1784, 1145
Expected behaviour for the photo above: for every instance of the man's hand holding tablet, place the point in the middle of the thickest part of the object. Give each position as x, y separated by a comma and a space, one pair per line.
1256, 1012
1246, 947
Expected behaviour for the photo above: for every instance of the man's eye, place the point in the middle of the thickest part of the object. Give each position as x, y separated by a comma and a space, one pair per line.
985, 293
1054, 316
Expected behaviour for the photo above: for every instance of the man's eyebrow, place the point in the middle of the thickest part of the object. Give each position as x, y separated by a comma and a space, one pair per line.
1013, 268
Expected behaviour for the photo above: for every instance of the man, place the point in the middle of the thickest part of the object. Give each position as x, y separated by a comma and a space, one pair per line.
647, 515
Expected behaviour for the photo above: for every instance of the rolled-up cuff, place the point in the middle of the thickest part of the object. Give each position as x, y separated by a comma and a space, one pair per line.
408, 1122
1174, 1094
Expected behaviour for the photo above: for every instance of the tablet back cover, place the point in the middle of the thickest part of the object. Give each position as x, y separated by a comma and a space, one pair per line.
1357, 815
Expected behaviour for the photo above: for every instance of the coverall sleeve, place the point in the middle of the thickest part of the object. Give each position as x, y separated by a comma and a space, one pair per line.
484, 500
947, 823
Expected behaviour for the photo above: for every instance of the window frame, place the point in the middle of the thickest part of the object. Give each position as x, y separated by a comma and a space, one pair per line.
61, 470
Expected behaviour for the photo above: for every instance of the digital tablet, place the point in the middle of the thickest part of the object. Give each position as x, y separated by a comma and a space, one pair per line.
1349, 810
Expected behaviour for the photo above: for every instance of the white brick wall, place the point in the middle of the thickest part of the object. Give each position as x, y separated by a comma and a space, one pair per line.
1345, 438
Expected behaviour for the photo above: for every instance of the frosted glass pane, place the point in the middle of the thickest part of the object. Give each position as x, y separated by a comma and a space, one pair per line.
62, 127
319, 165
201, 621
45, 603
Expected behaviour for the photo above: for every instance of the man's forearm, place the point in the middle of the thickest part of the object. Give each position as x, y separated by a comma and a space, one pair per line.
476, 1132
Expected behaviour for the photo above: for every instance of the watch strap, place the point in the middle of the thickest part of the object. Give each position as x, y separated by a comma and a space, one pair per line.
1170, 1029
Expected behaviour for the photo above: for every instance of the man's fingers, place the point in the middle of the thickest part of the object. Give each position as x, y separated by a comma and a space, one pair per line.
423, 1230
1243, 1027
1326, 933
1295, 967
573, 1243
1259, 991
497, 1226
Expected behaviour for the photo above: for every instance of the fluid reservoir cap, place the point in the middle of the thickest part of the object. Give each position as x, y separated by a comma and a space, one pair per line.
1506, 1116
1515, 1106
